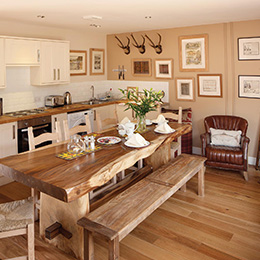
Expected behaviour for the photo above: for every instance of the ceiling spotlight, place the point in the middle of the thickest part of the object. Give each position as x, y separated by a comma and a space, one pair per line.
95, 25
41, 16
92, 17
148, 17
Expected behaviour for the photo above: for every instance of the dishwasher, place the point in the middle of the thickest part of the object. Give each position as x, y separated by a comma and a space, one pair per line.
78, 118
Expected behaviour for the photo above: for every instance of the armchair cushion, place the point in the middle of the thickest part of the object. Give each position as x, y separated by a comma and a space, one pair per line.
225, 137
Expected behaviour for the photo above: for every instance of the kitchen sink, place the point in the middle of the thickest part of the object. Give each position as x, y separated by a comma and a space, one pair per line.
96, 101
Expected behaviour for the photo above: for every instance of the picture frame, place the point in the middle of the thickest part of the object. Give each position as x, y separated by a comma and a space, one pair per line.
142, 67
193, 53
78, 63
248, 48
185, 89
210, 85
97, 61
163, 68
249, 86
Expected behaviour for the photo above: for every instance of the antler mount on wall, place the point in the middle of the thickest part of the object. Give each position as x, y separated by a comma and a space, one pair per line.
126, 48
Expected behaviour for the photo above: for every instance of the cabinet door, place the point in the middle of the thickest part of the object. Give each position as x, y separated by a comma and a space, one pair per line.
8, 139
59, 118
22, 52
105, 112
2, 64
121, 113
61, 61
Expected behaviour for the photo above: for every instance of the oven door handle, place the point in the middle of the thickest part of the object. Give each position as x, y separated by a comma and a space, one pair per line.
35, 128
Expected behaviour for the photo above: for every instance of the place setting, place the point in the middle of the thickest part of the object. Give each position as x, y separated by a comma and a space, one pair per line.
162, 125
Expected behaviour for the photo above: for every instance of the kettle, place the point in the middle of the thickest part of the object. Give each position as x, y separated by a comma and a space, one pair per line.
67, 98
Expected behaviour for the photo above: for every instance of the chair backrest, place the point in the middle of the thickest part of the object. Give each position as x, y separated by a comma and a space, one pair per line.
177, 117
76, 129
107, 122
33, 141
226, 122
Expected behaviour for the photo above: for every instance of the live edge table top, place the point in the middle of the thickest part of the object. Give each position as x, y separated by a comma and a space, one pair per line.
69, 180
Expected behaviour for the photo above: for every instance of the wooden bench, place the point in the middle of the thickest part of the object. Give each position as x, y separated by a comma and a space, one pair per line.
118, 217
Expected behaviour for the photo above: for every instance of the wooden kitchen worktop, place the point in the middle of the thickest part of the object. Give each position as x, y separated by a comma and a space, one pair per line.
58, 110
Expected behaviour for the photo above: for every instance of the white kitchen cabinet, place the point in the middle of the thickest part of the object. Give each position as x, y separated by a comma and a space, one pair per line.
105, 112
8, 144
58, 118
2, 64
19, 52
54, 65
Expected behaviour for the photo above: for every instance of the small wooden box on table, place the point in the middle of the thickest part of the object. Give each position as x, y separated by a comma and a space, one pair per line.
118, 217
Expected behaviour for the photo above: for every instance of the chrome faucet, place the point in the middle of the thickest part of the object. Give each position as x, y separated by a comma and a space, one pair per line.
92, 92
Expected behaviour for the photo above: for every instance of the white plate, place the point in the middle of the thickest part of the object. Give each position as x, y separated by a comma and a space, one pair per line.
109, 140
133, 146
159, 132
149, 123
155, 122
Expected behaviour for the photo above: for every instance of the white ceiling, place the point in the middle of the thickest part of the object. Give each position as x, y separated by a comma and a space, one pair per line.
129, 15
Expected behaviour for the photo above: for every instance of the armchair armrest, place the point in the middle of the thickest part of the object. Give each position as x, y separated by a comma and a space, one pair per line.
244, 146
205, 139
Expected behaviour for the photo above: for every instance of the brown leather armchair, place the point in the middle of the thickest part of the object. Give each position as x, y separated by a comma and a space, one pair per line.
233, 158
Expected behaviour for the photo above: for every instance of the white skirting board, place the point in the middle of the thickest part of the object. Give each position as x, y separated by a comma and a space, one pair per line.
197, 150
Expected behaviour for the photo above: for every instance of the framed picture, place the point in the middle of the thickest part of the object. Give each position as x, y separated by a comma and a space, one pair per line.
78, 63
97, 61
210, 85
193, 53
142, 67
185, 89
164, 69
249, 86
249, 48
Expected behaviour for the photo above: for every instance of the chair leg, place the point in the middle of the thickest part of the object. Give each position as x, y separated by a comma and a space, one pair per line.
113, 249
30, 237
245, 175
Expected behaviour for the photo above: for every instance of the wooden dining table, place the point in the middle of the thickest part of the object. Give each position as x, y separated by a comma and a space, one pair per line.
65, 184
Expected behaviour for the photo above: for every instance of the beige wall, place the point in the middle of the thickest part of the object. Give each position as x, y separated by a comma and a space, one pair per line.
222, 59
79, 40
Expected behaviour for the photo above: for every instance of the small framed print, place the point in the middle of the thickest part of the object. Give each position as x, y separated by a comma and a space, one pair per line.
209, 85
142, 67
249, 48
185, 89
97, 61
78, 63
164, 69
193, 53
249, 86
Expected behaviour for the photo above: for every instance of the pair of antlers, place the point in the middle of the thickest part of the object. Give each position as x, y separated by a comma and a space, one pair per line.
141, 47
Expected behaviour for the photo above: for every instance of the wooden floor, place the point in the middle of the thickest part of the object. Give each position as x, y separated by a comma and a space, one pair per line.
224, 225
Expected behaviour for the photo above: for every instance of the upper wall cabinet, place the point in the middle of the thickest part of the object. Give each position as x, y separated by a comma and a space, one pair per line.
19, 52
2, 64
54, 65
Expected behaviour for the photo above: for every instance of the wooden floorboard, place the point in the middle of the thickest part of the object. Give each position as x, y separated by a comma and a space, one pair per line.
223, 225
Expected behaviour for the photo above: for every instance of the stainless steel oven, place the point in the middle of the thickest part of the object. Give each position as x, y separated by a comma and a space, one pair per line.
40, 125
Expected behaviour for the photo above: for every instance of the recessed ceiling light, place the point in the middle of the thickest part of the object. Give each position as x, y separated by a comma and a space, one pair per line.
92, 17
148, 17
41, 16
95, 25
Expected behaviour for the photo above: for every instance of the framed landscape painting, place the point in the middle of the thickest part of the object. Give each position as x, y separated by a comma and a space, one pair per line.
249, 48
193, 53
209, 85
142, 67
78, 63
185, 89
164, 69
97, 61
249, 86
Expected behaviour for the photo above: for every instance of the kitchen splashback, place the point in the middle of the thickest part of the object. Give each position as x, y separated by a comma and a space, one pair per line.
20, 95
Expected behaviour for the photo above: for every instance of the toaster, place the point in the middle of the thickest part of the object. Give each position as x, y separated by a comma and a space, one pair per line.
54, 101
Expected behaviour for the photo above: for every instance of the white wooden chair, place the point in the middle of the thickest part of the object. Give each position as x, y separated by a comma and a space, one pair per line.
33, 141
17, 218
107, 122
175, 146
76, 129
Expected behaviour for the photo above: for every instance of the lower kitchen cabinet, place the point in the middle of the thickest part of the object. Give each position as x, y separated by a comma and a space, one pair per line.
59, 118
8, 144
2, 64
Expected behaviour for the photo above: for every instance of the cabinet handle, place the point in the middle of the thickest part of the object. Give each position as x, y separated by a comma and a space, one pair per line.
55, 120
54, 74
58, 74
38, 55
13, 132
95, 115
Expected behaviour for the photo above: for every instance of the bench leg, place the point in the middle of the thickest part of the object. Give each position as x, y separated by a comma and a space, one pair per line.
113, 249
201, 181
88, 245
